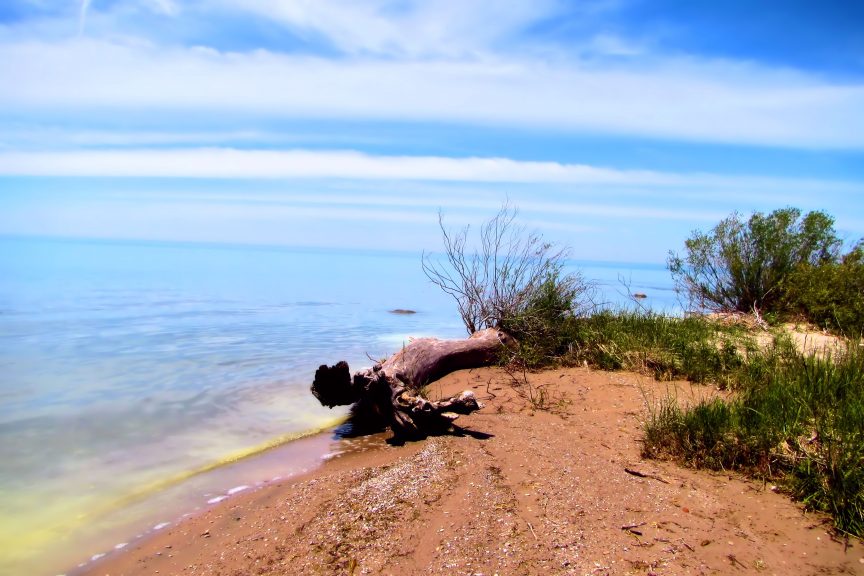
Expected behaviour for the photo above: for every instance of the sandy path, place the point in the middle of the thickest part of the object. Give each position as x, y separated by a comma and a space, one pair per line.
536, 492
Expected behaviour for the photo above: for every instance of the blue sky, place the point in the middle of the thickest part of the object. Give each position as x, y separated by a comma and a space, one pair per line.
615, 126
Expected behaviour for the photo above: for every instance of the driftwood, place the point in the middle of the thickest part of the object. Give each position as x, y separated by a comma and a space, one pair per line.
391, 391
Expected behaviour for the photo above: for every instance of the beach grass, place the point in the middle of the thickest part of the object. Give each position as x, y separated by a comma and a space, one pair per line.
795, 419
665, 347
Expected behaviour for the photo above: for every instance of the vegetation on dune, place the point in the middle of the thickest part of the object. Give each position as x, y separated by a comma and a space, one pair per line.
797, 420
830, 295
781, 265
513, 280
661, 346
794, 419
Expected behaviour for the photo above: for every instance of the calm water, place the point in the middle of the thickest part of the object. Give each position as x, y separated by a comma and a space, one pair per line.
128, 368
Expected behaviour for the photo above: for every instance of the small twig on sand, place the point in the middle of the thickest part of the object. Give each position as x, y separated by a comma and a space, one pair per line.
644, 475
690, 548
631, 528
844, 541
735, 560
488, 391
532, 531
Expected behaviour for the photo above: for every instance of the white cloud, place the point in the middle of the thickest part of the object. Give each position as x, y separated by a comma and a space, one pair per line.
213, 222
705, 198
404, 27
570, 184
18, 138
82, 15
690, 100
266, 164
353, 165
349, 198
165, 7
454, 62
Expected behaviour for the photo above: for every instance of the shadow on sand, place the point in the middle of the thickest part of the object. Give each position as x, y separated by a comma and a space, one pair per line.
362, 423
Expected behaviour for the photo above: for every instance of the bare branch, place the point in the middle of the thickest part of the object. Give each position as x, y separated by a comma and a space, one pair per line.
501, 278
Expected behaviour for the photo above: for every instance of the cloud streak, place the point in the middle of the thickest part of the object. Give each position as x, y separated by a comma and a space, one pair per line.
82, 16
407, 27
270, 164
711, 101
317, 121
229, 163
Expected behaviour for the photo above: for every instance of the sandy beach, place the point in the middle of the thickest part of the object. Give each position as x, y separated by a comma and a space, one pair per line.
559, 490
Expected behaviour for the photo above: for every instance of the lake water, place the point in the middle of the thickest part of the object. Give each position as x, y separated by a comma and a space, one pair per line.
129, 371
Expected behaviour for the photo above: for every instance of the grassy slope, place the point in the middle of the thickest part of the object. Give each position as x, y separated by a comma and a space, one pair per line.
795, 419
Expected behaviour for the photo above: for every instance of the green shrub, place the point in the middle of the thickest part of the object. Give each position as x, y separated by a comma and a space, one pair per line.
745, 265
543, 329
831, 295
702, 434
503, 274
510, 278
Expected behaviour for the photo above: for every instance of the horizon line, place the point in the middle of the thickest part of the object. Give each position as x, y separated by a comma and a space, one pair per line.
215, 244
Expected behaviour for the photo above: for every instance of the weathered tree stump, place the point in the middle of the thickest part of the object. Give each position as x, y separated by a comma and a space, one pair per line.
392, 391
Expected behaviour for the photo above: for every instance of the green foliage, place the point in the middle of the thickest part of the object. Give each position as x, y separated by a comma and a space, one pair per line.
745, 265
543, 329
830, 294
663, 346
796, 419
700, 436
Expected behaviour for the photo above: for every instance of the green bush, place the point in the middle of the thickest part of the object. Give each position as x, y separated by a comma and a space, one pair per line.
510, 278
745, 265
506, 277
831, 295
544, 328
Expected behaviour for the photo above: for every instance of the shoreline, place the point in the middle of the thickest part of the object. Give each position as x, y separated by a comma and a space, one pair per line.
349, 453
201, 490
522, 491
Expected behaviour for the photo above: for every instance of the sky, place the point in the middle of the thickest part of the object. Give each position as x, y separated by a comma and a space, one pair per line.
616, 127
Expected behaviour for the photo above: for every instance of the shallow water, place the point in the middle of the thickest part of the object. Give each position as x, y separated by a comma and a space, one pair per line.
128, 368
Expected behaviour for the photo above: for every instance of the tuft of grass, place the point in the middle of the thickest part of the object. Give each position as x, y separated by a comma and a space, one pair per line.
797, 420
665, 347
543, 397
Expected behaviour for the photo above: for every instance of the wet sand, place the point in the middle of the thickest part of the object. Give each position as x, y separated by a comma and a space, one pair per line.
125, 521
522, 491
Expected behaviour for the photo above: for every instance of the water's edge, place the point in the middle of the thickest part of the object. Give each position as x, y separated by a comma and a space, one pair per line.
194, 493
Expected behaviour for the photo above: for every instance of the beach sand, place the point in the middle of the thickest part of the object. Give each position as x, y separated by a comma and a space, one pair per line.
523, 491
